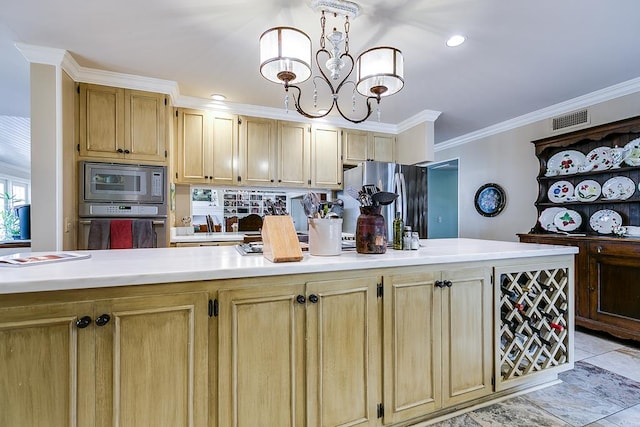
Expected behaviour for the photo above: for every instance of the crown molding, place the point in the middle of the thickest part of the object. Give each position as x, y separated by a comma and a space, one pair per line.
41, 55
612, 92
421, 117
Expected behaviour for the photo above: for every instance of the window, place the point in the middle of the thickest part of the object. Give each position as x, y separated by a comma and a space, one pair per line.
13, 192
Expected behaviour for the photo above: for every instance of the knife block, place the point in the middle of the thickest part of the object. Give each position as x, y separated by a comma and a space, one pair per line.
279, 239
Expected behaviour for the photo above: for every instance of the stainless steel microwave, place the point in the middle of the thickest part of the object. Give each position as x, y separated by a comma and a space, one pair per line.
114, 182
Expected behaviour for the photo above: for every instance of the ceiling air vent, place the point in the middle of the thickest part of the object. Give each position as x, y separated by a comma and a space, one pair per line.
570, 120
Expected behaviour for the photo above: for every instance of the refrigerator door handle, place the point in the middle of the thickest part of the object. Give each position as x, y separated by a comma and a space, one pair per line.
397, 188
403, 194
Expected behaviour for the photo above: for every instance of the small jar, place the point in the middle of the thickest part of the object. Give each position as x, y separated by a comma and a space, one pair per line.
406, 239
415, 241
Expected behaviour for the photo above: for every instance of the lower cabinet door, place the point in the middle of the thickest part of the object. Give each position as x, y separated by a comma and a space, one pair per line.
467, 335
343, 354
412, 346
261, 370
151, 361
46, 368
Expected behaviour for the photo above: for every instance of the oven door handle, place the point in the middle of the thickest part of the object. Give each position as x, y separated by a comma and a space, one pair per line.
88, 222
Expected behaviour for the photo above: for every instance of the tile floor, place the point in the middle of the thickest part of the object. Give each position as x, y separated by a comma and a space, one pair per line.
603, 390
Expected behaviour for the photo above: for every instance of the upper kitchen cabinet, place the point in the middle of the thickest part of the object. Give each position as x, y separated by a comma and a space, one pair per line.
360, 146
122, 125
326, 157
207, 148
258, 145
294, 154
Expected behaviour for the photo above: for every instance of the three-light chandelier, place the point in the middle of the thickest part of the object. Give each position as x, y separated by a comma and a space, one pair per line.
285, 57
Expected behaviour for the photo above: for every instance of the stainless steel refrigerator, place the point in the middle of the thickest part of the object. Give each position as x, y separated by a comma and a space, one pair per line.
409, 182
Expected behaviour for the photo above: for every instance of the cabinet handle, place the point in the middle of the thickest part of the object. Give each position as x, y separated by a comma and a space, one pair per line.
301, 299
313, 298
599, 249
83, 322
120, 150
206, 177
448, 283
127, 152
103, 319
272, 180
439, 284
279, 180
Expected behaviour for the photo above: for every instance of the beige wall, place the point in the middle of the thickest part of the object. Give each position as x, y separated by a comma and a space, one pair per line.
415, 145
508, 159
69, 165
46, 184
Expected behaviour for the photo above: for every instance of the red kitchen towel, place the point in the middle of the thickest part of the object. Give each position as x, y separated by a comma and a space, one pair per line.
121, 236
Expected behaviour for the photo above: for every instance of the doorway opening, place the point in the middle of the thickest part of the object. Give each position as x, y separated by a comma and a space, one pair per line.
442, 199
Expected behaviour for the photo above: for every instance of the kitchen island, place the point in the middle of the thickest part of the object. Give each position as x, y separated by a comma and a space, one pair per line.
207, 337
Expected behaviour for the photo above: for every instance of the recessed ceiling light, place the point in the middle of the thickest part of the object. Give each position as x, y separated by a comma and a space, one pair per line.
218, 97
456, 40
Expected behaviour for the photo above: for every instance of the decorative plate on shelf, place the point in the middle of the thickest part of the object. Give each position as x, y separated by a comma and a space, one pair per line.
566, 162
618, 188
567, 220
561, 191
599, 159
633, 147
547, 217
588, 190
604, 220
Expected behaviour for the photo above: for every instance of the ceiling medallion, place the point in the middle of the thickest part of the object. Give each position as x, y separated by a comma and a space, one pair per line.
285, 58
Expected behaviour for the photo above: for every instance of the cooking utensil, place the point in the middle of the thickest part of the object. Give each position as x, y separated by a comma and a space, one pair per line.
383, 198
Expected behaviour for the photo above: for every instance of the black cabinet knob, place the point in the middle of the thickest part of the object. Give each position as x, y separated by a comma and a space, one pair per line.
120, 150
83, 322
127, 152
313, 298
439, 284
448, 283
301, 299
103, 319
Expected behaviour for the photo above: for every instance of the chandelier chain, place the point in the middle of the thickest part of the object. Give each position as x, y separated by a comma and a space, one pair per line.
347, 25
323, 20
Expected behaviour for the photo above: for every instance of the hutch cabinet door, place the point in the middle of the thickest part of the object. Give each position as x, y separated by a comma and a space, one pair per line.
615, 286
151, 361
47, 369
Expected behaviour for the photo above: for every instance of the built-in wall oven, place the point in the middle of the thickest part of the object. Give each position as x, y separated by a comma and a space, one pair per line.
122, 191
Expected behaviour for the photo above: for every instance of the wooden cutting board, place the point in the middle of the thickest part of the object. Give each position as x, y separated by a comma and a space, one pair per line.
279, 238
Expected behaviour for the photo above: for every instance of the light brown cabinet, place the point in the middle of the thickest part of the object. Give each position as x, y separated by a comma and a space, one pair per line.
299, 354
121, 124
126, 361
360, 146
294, 154
326, 157
258, 151
437, 341
208, 148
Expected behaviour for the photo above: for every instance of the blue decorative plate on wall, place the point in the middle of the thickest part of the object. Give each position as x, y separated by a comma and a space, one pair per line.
490, 200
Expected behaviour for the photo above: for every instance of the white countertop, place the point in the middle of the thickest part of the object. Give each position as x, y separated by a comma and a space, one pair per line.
210, 237
165, 265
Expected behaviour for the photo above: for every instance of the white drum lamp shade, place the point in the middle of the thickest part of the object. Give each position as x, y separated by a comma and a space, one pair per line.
285, 55
380, 71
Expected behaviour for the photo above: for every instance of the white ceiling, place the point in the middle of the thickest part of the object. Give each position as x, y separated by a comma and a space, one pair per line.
520, 56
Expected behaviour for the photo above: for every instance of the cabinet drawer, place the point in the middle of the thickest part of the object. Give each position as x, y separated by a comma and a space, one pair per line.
627, 249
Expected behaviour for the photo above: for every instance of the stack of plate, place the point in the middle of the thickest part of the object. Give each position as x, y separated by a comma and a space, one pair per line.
560, 219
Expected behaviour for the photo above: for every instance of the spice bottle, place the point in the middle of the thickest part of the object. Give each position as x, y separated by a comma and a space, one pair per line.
406, 241
398, 228
415, 241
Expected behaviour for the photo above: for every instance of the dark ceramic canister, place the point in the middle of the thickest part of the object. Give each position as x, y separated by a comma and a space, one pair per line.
371, 231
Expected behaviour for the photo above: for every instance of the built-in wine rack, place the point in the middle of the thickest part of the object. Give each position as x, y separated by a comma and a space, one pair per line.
533, 321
